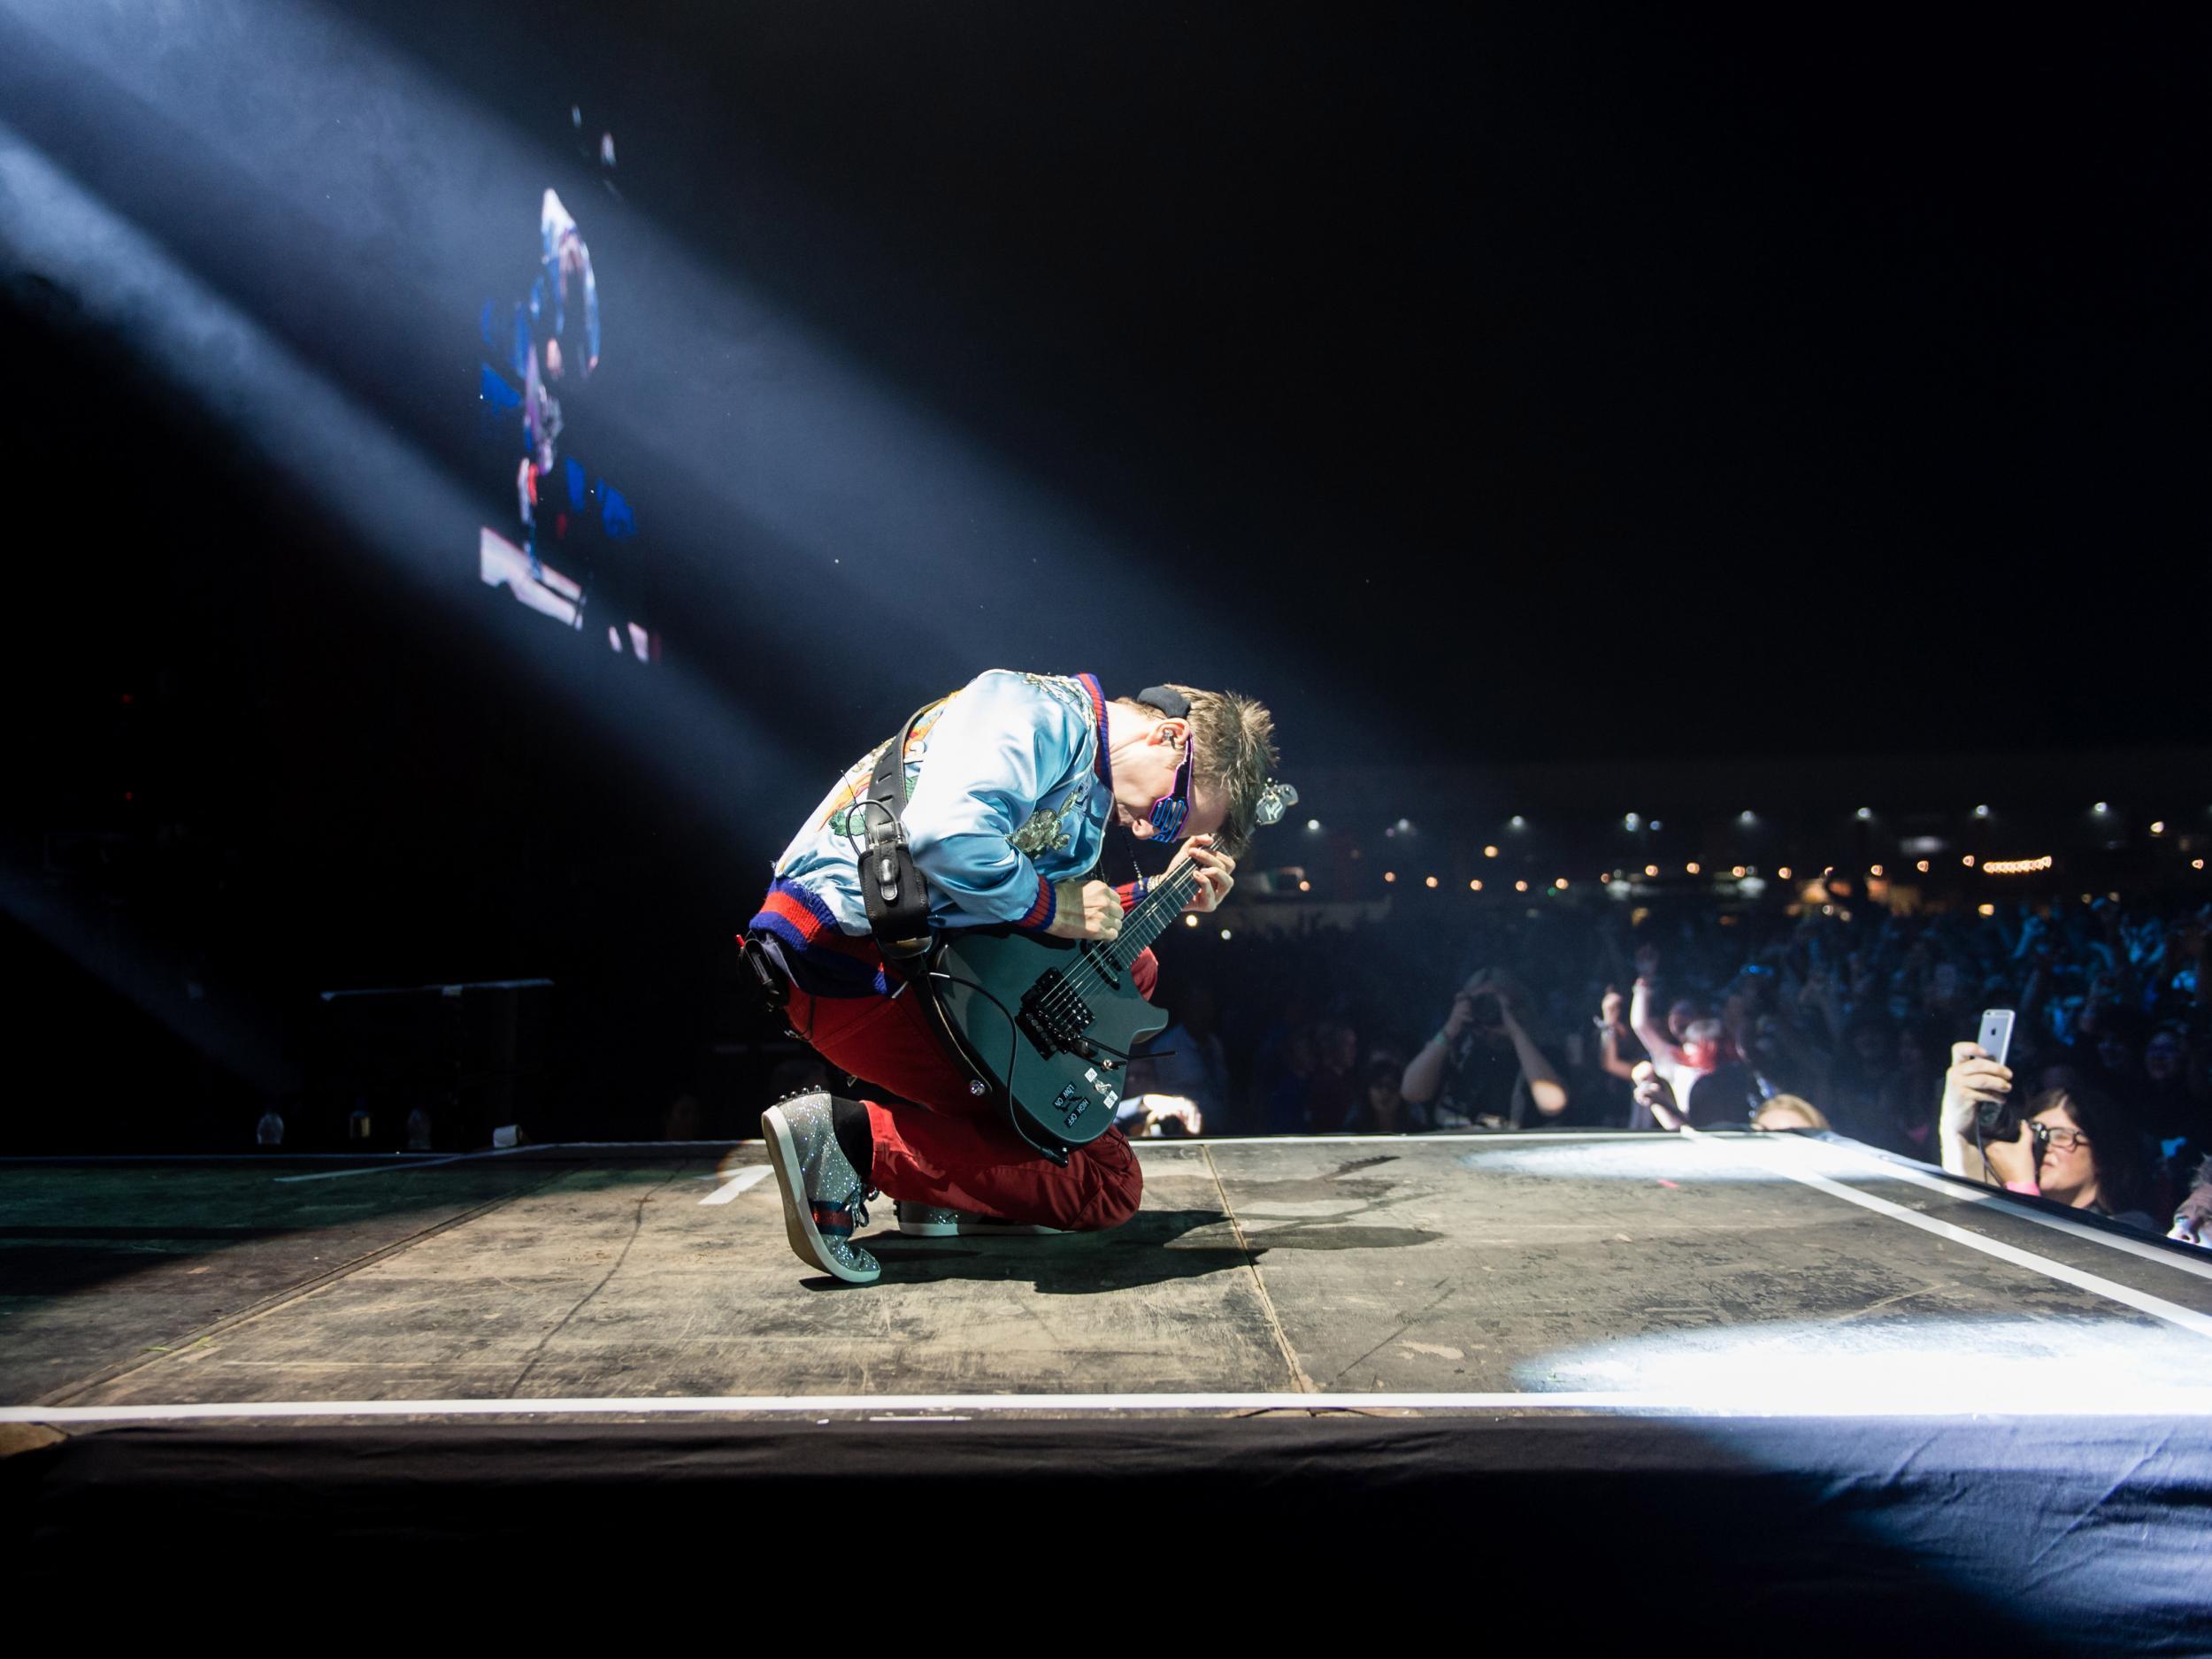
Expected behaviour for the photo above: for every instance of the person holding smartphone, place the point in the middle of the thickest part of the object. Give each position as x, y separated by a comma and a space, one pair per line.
2071, 1146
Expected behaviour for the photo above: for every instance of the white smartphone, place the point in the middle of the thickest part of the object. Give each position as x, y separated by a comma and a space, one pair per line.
1996, 1032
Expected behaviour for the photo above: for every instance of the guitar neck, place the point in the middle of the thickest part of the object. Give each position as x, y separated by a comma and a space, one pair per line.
1154, 913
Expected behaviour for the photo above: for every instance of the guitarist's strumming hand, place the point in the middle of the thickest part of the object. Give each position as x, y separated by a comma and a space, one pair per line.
1215, 871
1085, 910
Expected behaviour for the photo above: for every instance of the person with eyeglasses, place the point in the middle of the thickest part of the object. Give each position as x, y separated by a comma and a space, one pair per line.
1012, 781
2072, 1147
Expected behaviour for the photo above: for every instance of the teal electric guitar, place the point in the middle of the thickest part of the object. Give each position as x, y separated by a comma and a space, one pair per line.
1048, 1025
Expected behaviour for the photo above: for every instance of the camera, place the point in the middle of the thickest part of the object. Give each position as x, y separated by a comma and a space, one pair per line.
1485, 1009
1999, 1119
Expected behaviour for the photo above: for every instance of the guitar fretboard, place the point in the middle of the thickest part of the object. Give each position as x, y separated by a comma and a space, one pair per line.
1154, 913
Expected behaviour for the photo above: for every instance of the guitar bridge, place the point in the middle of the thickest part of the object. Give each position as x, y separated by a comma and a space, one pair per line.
1052, 1017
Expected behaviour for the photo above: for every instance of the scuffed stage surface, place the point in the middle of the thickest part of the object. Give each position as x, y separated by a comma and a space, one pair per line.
1730, 1378
1722, 1274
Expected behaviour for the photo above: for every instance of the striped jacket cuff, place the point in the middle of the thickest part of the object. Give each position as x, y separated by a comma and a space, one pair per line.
1041, 915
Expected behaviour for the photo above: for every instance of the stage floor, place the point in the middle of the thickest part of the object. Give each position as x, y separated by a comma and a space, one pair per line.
1546, 1273
1741, 1383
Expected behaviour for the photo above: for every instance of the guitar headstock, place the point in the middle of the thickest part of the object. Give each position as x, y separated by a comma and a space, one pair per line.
1277, 799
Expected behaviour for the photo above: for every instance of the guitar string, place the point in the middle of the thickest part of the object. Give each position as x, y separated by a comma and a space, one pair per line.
1146, 925
1089, 975
1151, 917
1089, 972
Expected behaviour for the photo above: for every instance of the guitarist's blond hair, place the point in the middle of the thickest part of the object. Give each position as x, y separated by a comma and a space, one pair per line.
1236, 755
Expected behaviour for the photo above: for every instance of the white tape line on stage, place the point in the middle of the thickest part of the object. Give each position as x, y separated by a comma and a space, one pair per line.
509, 1152
673, 1146
387, 1169
1779, 1159
2182, 1261
2157, 1402
744, 1181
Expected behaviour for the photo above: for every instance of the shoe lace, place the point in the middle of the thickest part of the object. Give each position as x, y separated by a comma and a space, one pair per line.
858, 1204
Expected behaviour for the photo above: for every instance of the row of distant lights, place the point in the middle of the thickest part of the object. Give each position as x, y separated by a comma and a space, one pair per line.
2002, 867
1522, 886
1630, 820
1995, 867
1998, 867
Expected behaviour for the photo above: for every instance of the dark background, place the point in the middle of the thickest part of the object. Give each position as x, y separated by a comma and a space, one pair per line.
1486, 389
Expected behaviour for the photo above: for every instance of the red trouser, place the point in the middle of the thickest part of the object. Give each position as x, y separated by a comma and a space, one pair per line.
941, 1145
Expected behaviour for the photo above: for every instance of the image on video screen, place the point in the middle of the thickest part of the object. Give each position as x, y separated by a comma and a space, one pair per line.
570, 536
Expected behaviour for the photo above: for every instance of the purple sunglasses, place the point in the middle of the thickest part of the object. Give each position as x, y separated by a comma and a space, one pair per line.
1169, 811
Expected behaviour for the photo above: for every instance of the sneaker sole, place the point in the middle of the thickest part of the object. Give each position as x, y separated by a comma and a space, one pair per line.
798, 1221
969, 1230
930, 1229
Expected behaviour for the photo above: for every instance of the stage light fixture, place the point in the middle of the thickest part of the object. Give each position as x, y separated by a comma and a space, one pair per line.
1517, 821
1986, 910
1922, 866
1190, 921
1651, 870
1865, 813
1474, 887
1305, 886
1431, 881
1693, 869
1313, 823
1390, 875
1520, 886
2101, 808
1981, 811
2159, 827
1737, 872
1224, 933
1783, 872
1967, 861
1874, 870
1489, 852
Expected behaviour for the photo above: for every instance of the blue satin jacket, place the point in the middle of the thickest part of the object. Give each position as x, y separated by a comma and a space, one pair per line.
1009, 789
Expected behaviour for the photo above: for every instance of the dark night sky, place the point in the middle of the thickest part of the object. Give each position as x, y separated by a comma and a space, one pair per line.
1466, 383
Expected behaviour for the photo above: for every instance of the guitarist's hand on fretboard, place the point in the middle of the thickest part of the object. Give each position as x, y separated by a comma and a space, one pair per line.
1216, 872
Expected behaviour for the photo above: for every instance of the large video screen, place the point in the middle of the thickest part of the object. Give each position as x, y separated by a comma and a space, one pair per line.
564, 537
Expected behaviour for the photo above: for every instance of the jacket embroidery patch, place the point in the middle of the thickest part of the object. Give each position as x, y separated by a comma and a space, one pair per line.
1042, 833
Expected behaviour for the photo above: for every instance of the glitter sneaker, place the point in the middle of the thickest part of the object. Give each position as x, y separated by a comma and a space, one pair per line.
823, 1199
923, 1221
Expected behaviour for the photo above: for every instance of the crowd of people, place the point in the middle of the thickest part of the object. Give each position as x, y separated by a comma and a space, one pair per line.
1844, 1017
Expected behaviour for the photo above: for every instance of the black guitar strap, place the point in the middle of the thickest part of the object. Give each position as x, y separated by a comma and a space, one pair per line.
891, 887
898, 906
